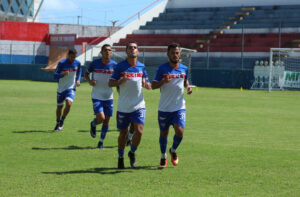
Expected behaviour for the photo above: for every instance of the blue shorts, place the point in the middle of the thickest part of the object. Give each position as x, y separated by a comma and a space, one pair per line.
124, 119
103, 106
165, 119
68, 94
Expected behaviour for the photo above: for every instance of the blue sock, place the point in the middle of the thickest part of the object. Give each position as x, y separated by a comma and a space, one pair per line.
103, 133
163, 144
57, 120
176, 142
94, 122
132, 148
121, 153
63, 118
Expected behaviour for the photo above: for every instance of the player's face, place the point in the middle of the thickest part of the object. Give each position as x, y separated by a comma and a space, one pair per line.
132, 50
174, 55
71, 58
106, 53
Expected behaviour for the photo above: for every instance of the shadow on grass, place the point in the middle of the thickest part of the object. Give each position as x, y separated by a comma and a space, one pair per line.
34, 131
72, 147
87, 131
104, 170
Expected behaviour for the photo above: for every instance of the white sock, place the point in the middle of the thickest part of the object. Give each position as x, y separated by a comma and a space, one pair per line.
164, 155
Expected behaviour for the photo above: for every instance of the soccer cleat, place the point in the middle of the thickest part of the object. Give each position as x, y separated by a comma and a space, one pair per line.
163, 162
174, 158
131, 156
93, 130
56, 128
121, 163
100, 145
60, 125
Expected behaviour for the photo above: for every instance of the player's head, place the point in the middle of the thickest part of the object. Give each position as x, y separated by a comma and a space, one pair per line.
106, 52
72, 55
174, 53
132, 50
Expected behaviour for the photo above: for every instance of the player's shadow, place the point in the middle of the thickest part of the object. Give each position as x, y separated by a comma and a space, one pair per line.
72, 147
104, 170
34, 131
86, 131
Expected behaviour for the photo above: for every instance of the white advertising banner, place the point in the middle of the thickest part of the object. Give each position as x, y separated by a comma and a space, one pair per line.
290, 80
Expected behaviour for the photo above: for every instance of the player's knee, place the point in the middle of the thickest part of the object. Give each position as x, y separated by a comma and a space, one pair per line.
100, 118
68, 103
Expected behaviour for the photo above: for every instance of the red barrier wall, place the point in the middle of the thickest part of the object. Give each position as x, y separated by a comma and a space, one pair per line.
23, 31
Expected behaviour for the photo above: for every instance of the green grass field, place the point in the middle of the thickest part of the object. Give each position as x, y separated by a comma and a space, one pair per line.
236, 143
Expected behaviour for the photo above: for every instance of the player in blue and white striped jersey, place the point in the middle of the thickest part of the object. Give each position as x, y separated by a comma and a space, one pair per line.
128, 75
68, 74
102, 95
171, 78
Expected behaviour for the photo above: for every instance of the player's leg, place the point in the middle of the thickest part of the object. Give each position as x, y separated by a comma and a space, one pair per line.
123, 120
60, 104
98, 111
179, 124
130, 134
65, 112
69, 97
164, 124
108, 112
58, 115
138, 119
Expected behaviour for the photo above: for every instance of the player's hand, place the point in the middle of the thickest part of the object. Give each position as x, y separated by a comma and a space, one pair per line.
168, 78
92, 82
77, 83
125, 78
189, 90
66, 73
147, 86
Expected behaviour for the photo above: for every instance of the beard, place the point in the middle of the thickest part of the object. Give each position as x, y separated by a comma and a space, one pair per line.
174, 61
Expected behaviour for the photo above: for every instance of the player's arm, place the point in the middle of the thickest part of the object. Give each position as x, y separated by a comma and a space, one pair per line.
78, 75
87, 75
188, 87
156, 83
58, 72
116, 80
146, 83
145, 80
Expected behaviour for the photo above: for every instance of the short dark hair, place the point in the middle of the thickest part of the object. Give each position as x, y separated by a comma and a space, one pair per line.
105, 45
131, 42
72, 51
173, 46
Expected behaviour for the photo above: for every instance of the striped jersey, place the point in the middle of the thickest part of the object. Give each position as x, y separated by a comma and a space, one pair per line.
131, 96
172, 93
101, 73
69, 81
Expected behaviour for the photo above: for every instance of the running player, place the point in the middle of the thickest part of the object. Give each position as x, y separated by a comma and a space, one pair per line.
171, 78
68, 74
128, 76
102, 94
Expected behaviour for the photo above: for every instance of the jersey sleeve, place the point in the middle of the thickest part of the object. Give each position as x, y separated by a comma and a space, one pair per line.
57, 72
91, 67
158, 75
117, 72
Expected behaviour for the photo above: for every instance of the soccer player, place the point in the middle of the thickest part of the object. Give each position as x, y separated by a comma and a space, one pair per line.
68, 74
171, 78
102, 94
128, 76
